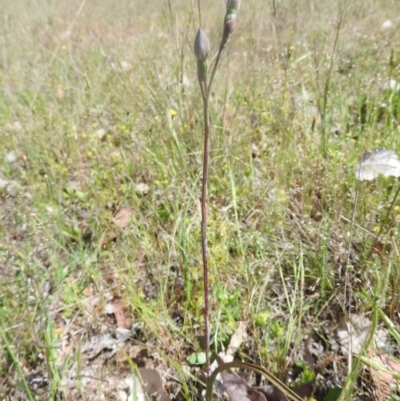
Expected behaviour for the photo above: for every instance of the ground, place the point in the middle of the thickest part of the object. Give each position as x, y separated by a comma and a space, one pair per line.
101, 136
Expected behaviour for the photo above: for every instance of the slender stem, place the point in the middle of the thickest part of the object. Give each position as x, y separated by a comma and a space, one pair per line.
204, 226
205, 91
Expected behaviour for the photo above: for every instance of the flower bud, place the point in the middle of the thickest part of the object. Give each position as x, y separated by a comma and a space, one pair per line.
229, 24
202, 68
232, 5
201, 45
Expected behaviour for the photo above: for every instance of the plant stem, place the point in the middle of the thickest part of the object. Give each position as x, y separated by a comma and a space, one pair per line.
204, 224
205, 91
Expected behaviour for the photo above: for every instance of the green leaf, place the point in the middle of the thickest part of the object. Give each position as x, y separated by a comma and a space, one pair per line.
333, 394
197, 358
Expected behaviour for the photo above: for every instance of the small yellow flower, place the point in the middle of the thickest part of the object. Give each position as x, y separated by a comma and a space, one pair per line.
231, 324
63, 47
173, 112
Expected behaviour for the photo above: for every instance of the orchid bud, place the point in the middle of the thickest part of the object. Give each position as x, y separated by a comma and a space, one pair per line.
229, 24
201, 51
232, 5
201, 45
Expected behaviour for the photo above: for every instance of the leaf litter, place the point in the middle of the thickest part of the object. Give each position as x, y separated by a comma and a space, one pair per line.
378, 162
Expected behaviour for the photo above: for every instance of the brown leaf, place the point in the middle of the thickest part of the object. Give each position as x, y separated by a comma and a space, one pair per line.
120, 313
383, 375
112, 278
236, 388
123, 217
152, 384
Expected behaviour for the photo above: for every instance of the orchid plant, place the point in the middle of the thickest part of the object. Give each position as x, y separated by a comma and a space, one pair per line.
202, 51
237, 388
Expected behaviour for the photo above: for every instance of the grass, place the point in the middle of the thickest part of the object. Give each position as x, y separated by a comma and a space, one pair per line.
100, 107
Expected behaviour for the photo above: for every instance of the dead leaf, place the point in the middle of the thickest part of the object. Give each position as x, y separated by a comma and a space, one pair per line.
99, 343
378, 162
127, 386
120, 313
111, 278
383, 369
272, 393
123, 217
355, 334
220, 358
236, 341
87, 292
238, 337
152, 383
106, 342
236, 388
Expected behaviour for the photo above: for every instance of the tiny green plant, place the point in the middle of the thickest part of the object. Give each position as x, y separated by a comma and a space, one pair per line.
201, 51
